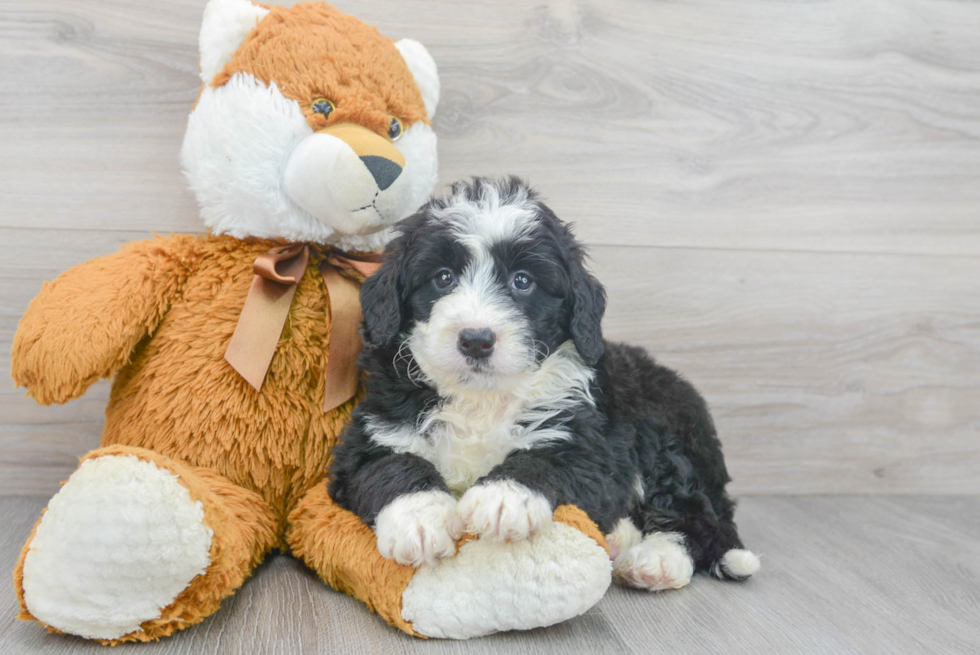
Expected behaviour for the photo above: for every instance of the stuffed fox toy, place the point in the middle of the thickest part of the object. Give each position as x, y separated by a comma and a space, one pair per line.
232, 355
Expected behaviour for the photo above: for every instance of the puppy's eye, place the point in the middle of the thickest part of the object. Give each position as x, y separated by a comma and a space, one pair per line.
522, 282
322, 106
394, 129
444, 279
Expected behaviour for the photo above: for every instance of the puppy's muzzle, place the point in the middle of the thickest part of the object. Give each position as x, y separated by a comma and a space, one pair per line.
476, 343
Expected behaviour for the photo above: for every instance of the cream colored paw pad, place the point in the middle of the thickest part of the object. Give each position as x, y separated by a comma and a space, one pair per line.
117, 544
489, 586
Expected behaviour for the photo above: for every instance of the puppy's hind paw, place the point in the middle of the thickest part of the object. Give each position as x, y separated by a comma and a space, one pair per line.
505, 510
658, 562
419, 528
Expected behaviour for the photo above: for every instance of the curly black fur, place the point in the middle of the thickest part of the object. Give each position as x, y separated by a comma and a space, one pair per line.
647, 423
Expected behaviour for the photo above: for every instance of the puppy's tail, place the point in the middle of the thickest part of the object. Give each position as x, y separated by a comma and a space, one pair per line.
735, 564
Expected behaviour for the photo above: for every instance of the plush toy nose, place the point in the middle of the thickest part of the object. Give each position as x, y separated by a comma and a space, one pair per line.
384, 171
382, 159
476, 342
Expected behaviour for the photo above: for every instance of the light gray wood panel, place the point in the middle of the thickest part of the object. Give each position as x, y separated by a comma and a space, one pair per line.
40, 446
844, 125
840, 575
826, 372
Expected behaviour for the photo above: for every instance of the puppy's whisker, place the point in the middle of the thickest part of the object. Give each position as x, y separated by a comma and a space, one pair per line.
415, 373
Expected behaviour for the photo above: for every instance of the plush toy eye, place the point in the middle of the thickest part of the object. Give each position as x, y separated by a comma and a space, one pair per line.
322, 106
394, 129
444, 279
522, 281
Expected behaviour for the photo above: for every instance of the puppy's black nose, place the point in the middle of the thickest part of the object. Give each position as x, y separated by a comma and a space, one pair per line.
476, 342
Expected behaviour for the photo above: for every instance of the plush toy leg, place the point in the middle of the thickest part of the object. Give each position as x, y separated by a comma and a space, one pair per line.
137, 545
488, 587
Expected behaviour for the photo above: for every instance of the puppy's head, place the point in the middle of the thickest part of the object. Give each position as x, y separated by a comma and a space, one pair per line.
481, 285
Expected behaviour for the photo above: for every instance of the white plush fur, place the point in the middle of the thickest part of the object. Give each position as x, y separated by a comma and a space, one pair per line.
325, 177
241, 137
424, 70
419, 528
504, 510
490, 588
470, 432
225, 26
117, 544
238, 139
259, 171
660, 561
739, 563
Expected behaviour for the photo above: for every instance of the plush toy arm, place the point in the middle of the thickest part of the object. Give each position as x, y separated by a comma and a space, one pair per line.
84, 325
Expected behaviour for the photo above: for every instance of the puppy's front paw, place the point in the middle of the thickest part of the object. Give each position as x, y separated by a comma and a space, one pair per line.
505, 510
419, 528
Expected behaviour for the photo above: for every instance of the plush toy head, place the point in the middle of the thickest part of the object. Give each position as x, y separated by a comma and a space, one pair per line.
311, 126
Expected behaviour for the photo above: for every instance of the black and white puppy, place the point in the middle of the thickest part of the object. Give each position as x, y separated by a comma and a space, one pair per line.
489, 381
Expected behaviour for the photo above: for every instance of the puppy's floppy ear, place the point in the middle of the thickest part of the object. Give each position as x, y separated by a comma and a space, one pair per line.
588, 306
382, 296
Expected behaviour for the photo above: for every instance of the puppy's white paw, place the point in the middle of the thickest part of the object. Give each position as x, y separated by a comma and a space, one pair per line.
419, 528
624, 536
504, 510
658, 562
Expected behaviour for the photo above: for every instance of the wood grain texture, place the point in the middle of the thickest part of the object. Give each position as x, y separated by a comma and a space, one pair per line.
782, 200
814, 390
840, 575
842, 125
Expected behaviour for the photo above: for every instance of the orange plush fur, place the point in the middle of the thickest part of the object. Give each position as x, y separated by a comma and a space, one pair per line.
159, 315
344, 61
255, 461
248, 457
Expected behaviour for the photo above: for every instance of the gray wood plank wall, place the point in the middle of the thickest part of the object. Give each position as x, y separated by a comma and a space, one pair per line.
783, 199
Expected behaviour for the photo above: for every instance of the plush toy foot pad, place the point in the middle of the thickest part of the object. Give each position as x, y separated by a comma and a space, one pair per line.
117, 544
555, 575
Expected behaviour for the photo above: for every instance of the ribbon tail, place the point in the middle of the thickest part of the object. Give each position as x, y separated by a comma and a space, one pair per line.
257, 334
341, 376
277, 274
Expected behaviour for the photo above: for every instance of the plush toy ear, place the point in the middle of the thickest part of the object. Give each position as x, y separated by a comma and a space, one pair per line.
588, 306
382, 295
224, 28
424, 71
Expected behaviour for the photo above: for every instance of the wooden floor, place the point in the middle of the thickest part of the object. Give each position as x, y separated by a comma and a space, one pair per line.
893, 575
783, 199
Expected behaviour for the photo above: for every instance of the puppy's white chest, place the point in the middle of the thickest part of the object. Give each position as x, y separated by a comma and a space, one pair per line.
470, 432
467, 440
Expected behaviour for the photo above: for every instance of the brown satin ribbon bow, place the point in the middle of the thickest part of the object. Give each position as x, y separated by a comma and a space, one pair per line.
277, 275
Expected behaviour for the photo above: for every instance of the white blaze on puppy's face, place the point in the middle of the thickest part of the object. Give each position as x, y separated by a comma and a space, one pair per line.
496, 394
480, 301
